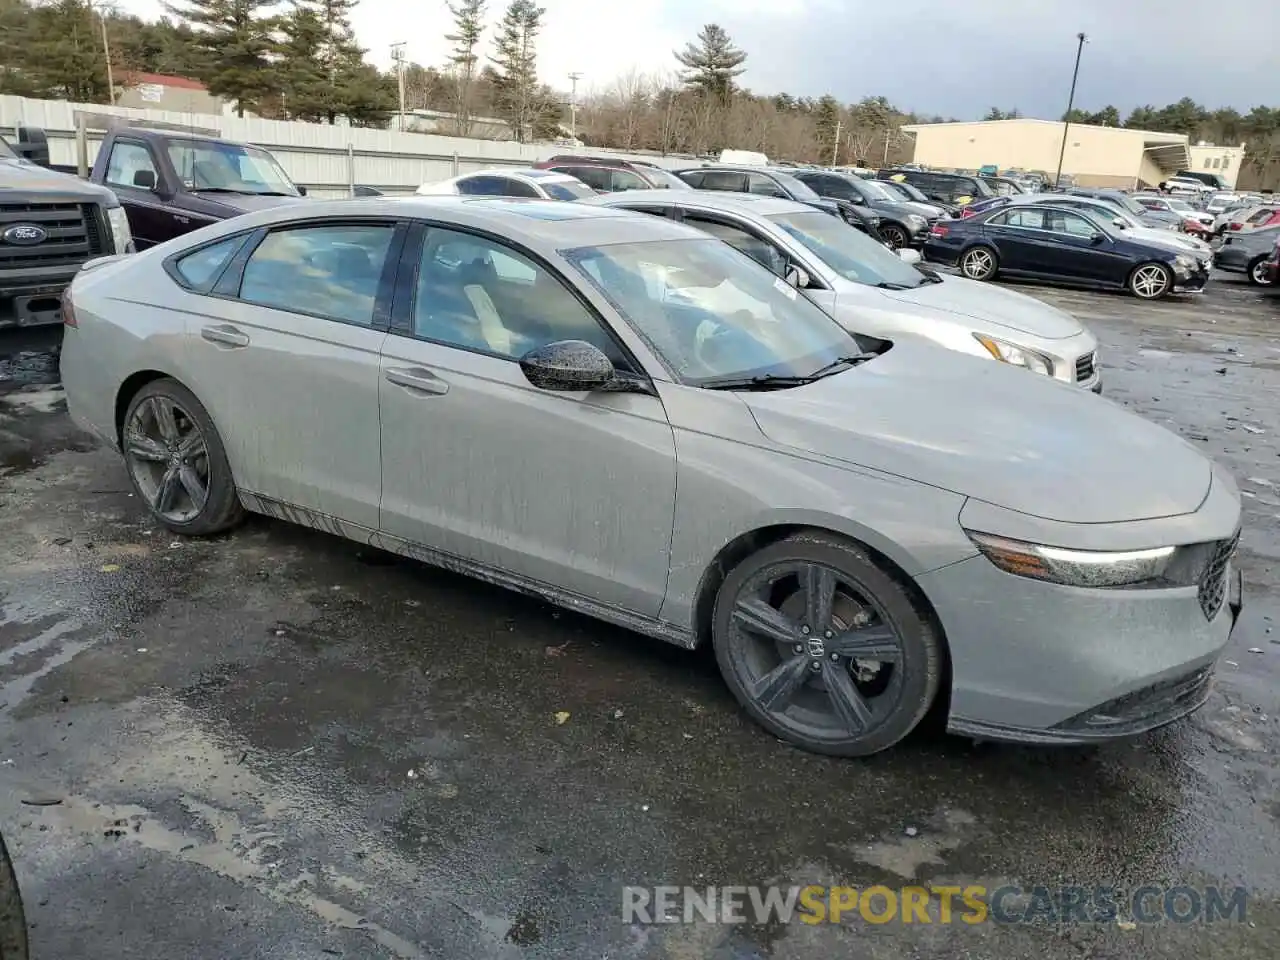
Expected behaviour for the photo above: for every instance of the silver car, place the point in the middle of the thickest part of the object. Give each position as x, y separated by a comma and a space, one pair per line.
870, 290
1248, 253
533, 394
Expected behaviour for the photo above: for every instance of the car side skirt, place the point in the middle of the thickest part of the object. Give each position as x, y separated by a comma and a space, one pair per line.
304, 516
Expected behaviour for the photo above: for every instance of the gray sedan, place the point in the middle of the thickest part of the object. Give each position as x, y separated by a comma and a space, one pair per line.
533, 394
870, 290
1248, 253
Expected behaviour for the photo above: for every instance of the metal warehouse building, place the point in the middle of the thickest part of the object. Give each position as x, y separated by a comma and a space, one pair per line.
1095, 156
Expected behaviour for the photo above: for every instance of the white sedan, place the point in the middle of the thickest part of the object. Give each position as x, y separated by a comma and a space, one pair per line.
511, 182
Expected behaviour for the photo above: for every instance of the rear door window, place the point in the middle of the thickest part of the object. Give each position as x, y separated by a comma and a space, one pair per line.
517, 188
693, 178
727, 180
481, 186
597, 178
626, 180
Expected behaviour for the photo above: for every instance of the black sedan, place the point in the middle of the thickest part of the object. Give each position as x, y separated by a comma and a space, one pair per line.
1044, 242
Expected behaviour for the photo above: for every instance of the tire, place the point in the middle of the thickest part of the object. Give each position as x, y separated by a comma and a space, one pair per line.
784, 672
171, 457
895, 235
13, 920
1257, 272
979, 263
1150, 281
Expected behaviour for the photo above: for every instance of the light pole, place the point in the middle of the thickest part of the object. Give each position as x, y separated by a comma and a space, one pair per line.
397, 54
573, 105
1071, 99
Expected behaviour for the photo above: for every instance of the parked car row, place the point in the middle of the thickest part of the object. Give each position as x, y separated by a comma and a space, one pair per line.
711, 417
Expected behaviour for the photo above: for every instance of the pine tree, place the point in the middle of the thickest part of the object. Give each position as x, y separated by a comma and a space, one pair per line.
826, 118
468, 26
712, 64
515, 57
235, 37
322, 71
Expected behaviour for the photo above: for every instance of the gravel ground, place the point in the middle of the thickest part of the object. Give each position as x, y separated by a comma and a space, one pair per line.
282, 745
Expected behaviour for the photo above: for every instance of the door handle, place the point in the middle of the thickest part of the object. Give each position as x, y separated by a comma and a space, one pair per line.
417, 379
227, 336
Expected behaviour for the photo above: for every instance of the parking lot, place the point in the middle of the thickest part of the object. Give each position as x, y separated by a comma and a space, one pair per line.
280, 744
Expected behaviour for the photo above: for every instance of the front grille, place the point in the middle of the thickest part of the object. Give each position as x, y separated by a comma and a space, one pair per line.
74, 234
1213, 582
1085, 366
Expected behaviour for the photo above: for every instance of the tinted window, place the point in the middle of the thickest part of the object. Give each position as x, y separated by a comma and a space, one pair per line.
567, 190
757, 248
626, 180
597, 178
477, 294
482, 186
762, 186
517, 188
202, 267
127, 160
1033, 219
724, 180
331, 271
693, 178
833, 187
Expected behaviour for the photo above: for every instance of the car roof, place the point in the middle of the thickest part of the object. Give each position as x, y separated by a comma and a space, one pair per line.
520, 173
538, 224
742, 203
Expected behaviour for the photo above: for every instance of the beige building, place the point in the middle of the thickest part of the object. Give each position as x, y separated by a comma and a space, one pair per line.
1095, 156
1224, 161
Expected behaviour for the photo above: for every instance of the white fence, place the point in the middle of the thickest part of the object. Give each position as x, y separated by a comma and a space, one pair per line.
313, 154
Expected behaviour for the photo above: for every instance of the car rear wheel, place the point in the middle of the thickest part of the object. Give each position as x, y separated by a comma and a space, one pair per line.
979, 263
176, 461
1258, 273
894, 235
824, 648
1150, 281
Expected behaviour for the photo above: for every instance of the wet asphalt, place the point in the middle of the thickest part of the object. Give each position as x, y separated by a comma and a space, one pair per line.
279, 744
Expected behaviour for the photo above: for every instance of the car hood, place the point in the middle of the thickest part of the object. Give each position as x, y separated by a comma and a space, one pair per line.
991, 304
18, 175
904, 207
246, 202
1168, 238
993, 432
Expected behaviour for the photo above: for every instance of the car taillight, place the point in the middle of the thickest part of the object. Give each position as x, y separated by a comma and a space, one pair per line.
1234, 226
68, 310
939, 230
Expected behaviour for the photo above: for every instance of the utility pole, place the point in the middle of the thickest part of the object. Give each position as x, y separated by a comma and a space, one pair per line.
573, 105
1071, 99
106, 53
835, 151
397, 55
886, 147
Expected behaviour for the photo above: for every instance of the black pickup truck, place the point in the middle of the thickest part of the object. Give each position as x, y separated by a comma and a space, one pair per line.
172, 182
50, 224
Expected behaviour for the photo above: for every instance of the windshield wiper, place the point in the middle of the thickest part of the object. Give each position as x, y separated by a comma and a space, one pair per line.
763, 381
852, 360
886, 285
243, 193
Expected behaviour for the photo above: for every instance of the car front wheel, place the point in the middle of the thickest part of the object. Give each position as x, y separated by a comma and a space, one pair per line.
824, 648
894, 235
1151, 281
979, 263
176, 461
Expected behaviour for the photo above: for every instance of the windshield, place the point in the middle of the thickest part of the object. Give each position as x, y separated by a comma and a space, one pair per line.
1180, 205
713, 313
849, 252
213, 165
1124, 203
665, 178
905, 189
567, 190
877, 191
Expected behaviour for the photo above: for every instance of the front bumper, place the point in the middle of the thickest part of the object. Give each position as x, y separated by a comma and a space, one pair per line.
30, 297
1037, 662
1190, 281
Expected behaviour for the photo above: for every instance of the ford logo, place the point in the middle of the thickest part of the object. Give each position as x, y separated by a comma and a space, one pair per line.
24, 235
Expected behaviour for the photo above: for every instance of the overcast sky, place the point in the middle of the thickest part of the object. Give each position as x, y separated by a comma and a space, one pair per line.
946, 57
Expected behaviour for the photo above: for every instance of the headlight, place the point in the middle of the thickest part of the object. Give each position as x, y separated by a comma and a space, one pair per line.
1185, 262
1155, 567
916, 220
1016, 356
121, 238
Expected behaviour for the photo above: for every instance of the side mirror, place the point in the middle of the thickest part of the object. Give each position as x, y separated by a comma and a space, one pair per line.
32, 145
1120, 223
302, 191
145, 179
1097, 238
797, 277
908, 255
567, 365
